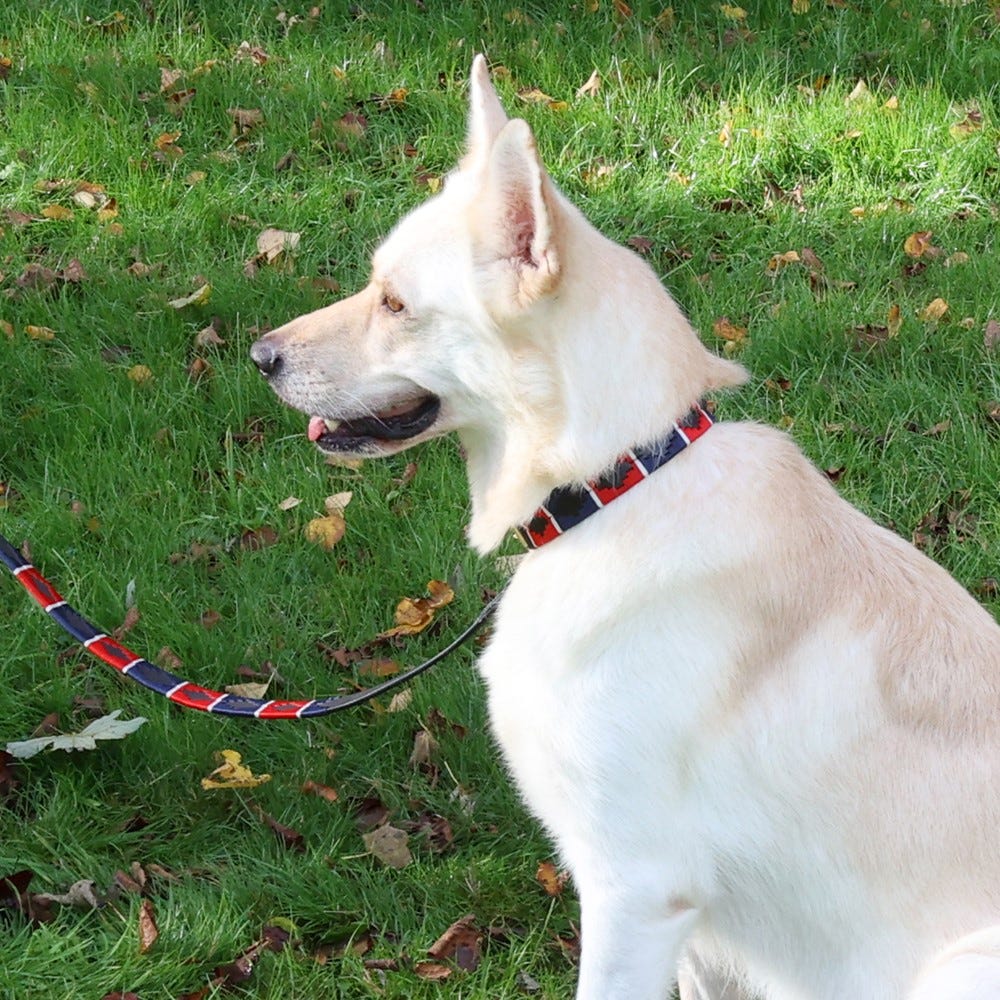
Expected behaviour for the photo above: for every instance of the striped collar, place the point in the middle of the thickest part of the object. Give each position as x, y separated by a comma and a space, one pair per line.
567, 506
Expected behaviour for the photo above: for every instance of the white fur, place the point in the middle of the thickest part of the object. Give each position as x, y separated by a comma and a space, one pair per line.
763, 732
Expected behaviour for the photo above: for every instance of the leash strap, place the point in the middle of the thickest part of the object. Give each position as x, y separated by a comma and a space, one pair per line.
182, 692
566, 506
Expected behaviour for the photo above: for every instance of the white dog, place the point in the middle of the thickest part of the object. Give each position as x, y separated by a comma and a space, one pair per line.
763, 731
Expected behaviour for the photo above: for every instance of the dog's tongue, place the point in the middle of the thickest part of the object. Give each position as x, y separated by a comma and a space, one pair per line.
317, 428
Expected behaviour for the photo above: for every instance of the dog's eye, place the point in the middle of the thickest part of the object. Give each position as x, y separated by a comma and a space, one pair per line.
391, 303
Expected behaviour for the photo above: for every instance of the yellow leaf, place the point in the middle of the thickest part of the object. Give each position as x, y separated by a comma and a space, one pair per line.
326, 531
958, 257
800, 6
892, 104
58, 212
934, 311
894, 320
726, 135
779, 260
532, 95
195, 177
40, 332
139, 374
232, 773
7, 329
733, 13
197, 298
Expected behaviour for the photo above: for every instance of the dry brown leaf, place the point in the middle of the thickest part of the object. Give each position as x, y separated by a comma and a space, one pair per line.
424, 748
727, 330
991, 335
591, 87
272, 243
934, 311
59, 213
461, 943
917, 244
148, 932
894, 320
780, 260
390, 845
551, 879
208, 337
311, 787
432, 971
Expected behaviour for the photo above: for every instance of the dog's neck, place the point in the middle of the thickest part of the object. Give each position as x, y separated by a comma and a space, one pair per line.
567, 506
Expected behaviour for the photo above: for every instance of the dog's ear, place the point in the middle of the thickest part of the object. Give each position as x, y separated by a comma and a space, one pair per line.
486, 114
518, 214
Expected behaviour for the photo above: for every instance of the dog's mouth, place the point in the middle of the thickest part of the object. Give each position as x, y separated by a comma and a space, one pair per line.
377, 431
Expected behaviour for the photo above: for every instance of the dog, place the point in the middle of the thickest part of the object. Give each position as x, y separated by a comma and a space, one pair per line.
763, 731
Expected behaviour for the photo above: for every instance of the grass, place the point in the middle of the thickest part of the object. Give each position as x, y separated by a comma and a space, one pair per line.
704, 128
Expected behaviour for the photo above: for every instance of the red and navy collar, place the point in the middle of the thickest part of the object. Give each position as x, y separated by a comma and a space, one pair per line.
567, 506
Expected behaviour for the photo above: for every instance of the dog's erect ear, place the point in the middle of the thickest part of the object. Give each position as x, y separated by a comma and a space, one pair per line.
518, 214
486, 114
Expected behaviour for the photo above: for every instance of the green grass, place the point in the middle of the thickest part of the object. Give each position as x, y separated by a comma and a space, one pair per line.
109, 479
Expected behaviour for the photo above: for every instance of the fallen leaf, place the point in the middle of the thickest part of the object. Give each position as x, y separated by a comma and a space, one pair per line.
859, 92
399, 703
727, 330
433, 972
326, 531
58, 213
272, 243
389, 845
732, 12
40, 332
80, 894
290, 838
148, 931
255, 539
991, 335
917, 244
139, 374
108, 727
232, 773
311, 787
894, 320
413, 615
934, 311
551, 879
208, 337
591, 87
197, 298
424, 748
781, 260
461, 942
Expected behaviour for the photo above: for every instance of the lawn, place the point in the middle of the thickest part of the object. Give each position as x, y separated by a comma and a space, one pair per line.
817, 183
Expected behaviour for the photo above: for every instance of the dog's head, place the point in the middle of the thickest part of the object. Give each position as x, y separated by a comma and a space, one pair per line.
496, 310
407, 358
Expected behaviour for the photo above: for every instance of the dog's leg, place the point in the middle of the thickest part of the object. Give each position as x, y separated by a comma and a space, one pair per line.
700, 981
631, 944
968, 970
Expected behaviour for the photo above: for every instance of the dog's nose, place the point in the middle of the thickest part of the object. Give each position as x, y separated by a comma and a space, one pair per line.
266, 357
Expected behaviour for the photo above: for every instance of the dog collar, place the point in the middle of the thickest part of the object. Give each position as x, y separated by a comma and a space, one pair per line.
567, 506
